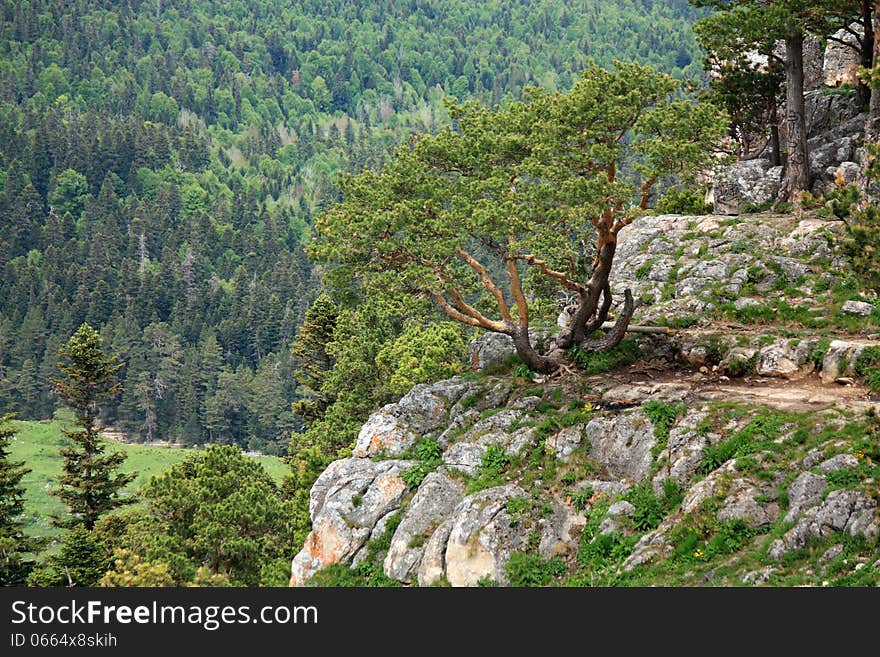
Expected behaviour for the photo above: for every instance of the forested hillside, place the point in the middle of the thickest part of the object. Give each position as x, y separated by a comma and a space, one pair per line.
161, 163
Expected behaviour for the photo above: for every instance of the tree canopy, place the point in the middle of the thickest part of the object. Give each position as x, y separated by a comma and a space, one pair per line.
517, 202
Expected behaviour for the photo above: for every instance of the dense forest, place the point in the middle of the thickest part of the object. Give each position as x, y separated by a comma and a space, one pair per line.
161, 163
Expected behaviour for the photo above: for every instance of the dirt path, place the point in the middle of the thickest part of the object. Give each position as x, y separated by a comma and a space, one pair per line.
630, 386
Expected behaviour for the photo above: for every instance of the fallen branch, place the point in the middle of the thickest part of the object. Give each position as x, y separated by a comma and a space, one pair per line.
638, 328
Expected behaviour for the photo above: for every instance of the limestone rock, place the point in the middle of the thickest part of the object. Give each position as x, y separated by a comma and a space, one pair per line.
857, 308
839, 462
740, 504
384, 432
432, 503
847, 510
736, 361
479, 541
758, 577
842, 352
345, 503
465, 457
565, 441
832, 553
782, 360
432, 567
622, 444
394, 428
841, 62
490, 349
684, 451
752, 182
561, 533
621, 508
803, 493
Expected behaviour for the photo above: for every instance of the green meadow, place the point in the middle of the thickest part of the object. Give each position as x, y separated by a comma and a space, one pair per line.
37, 443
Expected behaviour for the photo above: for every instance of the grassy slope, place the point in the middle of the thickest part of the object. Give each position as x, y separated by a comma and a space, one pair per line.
37, 445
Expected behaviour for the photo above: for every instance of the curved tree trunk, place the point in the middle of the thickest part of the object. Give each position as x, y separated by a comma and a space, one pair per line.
615, 335
797, 165
530, 356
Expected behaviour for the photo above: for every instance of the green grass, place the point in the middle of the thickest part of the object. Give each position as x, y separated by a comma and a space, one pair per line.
37, 443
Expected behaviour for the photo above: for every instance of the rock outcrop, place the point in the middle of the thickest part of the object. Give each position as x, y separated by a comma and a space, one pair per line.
714, 442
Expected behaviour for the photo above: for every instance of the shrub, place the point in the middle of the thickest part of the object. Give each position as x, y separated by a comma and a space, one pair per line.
867, 367
530, 569
597, 362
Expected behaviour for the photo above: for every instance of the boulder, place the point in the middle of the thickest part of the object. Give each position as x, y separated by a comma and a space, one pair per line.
433, 502
840, 357
622, 444
464, 457
738, 361
847, 510
345, 504
740, 504
780, 359
803, 493
565, 441
750, 182
490, 349
839, 462
394, 428
476, 541
384, 432
860, 308
561, 532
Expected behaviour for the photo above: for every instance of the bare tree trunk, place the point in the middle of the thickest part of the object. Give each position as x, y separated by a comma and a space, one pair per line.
797, 166
866, 53
775, 156
872, 124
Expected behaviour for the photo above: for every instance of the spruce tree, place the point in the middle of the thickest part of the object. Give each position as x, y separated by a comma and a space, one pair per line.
88, 485
311, 359
15, 545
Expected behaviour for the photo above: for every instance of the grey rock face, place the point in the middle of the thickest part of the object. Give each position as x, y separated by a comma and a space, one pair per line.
847, 510
465, 457
842, 352
424, 409
622, 508
384, 431
684, 451
561, 533
490, 349
841, 62
432, 503
346, 502
622, 444
843, 510
832, 553
740, 504
782, 360
839, 462
857, 308
831, 155
565, 441
748, 182
803, 493
432, 567
479, 542
758, 577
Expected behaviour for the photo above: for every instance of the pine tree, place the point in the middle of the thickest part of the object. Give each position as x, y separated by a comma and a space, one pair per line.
88, 485
311, 359
14, 543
